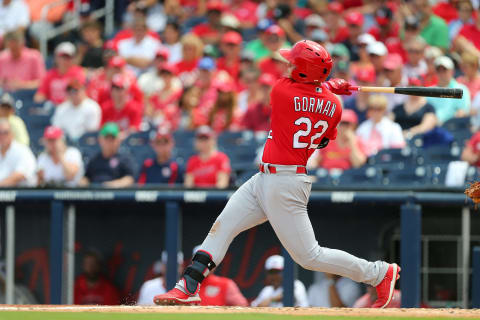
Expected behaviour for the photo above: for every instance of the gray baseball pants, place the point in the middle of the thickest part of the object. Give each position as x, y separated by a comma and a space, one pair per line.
282, 198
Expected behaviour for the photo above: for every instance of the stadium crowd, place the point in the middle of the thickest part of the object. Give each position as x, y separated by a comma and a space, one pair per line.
207, 67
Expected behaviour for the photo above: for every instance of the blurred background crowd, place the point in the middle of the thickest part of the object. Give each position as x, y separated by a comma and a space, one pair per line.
179, 92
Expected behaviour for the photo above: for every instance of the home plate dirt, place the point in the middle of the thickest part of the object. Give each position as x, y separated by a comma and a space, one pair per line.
448, 313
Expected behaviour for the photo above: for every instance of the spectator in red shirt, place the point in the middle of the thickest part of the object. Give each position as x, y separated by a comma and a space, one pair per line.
192, 48
230, 47
20, 67
162, 107
99, 87
471, 152
210, 168
275, 65
53, 86
336, 28
471, 76
224, 115
209, 31
257, 117
363, 60
121, 109
92, 287
447, 10
245, 11
274, 38
387, 28
346, 151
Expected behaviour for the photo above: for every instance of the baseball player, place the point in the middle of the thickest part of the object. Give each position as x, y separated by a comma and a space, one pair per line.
305, 114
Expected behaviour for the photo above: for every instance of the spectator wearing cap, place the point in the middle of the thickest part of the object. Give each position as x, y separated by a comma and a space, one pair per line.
415, 115
171, 41
320, 37
207, 76
335, 28
416, 66
90, 48
110, 167
377, 53
209, 168
378, 131
411, 31
275, 65
152, 82
395, 77
354, 21
20, 67
121, 108
245, 11
155, 286
162, 107
387, 28
333, 291
7, 111
433, 28
231, 48
100, 85
139, 50
314, 22
446, 109
53, 86
340, 53
257, 116
162, 169
17, 162
192, 50
15, 15
209, 31
347, 151
59, 164
363, 77
471, 75
430, 78
272, 294
465, 17
78, 114
269, 40
363, 59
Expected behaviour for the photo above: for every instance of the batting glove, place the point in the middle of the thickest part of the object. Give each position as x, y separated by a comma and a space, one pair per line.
339, 86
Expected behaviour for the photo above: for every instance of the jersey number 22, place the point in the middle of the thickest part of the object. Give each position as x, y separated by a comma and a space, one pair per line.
304, 133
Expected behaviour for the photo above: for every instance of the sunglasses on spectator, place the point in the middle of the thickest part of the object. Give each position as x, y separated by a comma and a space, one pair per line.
161, 141
415, 51
203, 137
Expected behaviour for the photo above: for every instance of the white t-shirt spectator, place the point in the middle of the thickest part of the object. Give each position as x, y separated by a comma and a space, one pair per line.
77, 120
146, 49
13, 16
300, 295
19, 158
53, 172
348, 290
384, 135
149, 290
176, 52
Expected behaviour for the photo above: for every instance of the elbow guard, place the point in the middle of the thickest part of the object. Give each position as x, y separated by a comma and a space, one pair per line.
323, 143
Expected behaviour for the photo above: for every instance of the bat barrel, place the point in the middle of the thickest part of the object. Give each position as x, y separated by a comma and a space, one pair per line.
455, 93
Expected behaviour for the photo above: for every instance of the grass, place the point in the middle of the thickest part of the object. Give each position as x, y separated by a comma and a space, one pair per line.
19, 315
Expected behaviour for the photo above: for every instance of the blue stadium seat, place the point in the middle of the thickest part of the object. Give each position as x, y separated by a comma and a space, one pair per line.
367, 175
26, 96
461, 136
184, 138
227, 138
322, 178
389, 156
473, 174
439, 173
88, 145
456, 124
441, 154
409, 177
138, 139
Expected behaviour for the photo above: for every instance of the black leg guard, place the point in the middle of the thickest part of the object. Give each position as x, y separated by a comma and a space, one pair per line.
194, 274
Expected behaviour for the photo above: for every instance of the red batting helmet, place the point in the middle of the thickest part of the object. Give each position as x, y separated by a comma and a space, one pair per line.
312, 62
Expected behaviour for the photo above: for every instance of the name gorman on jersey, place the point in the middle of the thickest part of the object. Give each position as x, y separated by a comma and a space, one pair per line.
311, 104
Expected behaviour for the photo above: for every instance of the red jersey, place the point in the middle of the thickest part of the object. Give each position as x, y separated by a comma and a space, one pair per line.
233, 70
220, 291
205, 171
471, 33
99, 87
302, 114
336, 157
103, 293
474, 143
130, 116
54, 85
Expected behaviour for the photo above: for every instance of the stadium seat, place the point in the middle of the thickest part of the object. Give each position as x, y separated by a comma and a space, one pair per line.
237, 138
25, 96
367, 175
441, 154
408, 177
322, 178
88, 145
456, 124
439, 173
184, 138
461, 136
389, 156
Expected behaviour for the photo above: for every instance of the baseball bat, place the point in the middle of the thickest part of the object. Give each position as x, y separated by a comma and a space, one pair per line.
454, 93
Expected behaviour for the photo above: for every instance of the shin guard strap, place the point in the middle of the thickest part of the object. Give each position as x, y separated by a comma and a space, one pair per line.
194, 274
205, 260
